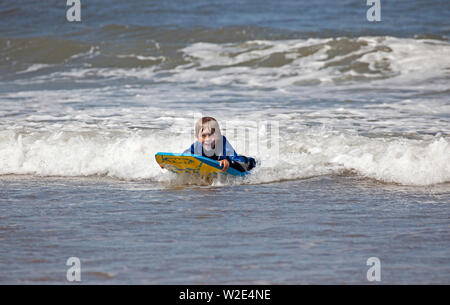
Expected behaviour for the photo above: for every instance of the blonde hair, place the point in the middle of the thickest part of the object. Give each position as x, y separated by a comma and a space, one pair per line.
208, 124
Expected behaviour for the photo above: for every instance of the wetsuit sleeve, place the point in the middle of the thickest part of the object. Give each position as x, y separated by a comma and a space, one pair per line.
190, 150
241, 163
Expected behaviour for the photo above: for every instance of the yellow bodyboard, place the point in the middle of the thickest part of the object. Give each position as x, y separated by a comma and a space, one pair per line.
192, 164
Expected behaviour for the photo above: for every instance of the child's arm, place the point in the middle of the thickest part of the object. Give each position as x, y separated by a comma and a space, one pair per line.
241, 163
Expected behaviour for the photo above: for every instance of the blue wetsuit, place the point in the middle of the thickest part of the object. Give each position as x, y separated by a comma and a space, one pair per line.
241, 163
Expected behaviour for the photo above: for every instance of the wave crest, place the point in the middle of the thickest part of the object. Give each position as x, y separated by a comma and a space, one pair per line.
131, 156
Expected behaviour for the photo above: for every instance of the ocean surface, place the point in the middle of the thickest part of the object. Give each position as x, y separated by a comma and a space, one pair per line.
348, 119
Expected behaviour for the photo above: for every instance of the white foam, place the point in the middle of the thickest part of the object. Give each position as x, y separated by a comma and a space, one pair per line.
411, 59
82, 154
400, 161
115, 130
141, 57
33, 68
386, 57
405, 62
93, 52
305, 154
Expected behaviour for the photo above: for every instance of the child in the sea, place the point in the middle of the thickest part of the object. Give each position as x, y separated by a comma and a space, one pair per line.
212, 144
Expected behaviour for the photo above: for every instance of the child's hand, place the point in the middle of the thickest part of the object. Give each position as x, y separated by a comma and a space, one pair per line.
225, 164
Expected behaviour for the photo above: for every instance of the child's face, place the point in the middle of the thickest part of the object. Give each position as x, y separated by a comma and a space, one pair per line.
208, 139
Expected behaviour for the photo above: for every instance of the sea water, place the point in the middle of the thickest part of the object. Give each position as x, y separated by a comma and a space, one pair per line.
360, 111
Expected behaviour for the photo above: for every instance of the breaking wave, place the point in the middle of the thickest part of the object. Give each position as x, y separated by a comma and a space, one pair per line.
256, 63
313, 153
